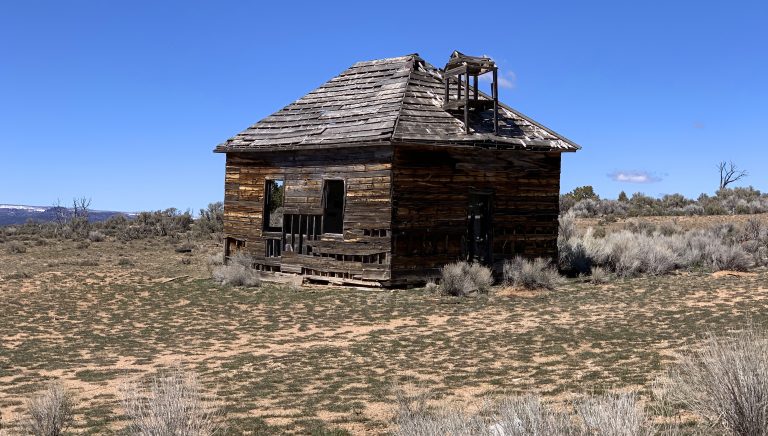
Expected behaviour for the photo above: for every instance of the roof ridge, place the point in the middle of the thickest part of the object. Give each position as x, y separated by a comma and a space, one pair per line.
405, 91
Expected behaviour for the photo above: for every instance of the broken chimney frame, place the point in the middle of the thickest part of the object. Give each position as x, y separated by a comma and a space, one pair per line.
459, 69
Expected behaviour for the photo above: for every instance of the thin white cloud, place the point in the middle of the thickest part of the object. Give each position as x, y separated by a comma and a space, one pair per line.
507, 80
634, 177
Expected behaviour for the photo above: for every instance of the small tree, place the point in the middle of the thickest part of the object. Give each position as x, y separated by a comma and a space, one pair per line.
623, 197
729, 173
79, 220
583, 193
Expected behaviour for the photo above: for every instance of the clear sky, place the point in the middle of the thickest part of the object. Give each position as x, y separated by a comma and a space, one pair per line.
123, 101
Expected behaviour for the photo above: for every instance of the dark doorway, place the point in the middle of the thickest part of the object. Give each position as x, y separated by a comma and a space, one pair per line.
479, 230
333, 206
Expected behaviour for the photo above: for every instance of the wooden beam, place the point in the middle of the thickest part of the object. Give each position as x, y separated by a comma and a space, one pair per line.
495, 92
456, 71
466, 105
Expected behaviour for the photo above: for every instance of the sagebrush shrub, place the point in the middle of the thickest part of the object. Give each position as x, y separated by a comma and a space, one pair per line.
96, 236
16, 247
413, 417
48, 413
462, 278
646, 250
236, 275
211, 220
599, 275
526, 415
238, 271
725, 201
727, 257
725, 382
530, 274
216, 259
607, 415
614, 415
170, 405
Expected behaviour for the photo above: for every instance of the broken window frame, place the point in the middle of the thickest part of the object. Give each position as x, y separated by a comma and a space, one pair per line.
231, 242
326, 220
267, 200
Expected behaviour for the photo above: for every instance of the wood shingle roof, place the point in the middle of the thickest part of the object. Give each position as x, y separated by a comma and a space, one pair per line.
388, 100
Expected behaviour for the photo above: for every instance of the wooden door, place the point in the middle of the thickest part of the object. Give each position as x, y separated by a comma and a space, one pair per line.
479, 228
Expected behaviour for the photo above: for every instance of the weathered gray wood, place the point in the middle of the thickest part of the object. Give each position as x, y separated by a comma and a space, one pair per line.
368, 105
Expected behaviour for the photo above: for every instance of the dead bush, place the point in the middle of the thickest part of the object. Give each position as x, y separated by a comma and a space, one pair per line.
530, 274
48, 413
724, 381
462, 278
170, 405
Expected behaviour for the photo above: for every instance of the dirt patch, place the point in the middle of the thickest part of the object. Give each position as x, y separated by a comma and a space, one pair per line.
292, 360
718, 274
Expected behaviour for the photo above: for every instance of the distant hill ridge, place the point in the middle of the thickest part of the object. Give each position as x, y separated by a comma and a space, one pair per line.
19, 214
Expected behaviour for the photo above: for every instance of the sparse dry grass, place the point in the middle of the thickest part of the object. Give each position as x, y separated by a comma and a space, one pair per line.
322, 358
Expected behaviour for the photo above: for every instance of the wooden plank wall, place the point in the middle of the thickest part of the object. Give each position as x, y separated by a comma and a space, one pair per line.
431, 186
362, 254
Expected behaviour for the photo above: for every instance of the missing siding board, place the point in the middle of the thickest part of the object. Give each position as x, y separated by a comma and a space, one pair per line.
378, 233
272, 247
233, 245
298, 229
333, 206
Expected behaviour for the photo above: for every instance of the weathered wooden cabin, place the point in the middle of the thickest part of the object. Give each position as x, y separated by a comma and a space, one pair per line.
391, 170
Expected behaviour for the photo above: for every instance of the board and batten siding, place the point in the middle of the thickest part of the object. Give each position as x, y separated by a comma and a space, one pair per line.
363, 253
431, 189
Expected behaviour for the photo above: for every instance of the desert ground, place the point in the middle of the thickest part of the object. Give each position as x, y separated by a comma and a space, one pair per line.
319, 360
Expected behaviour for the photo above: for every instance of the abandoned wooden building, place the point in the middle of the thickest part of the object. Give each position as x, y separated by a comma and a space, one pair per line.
391, 170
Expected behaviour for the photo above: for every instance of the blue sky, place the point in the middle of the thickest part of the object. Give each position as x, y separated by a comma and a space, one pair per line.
123, 101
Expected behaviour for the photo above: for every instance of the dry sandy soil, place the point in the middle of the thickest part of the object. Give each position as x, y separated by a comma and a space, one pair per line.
324, 360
